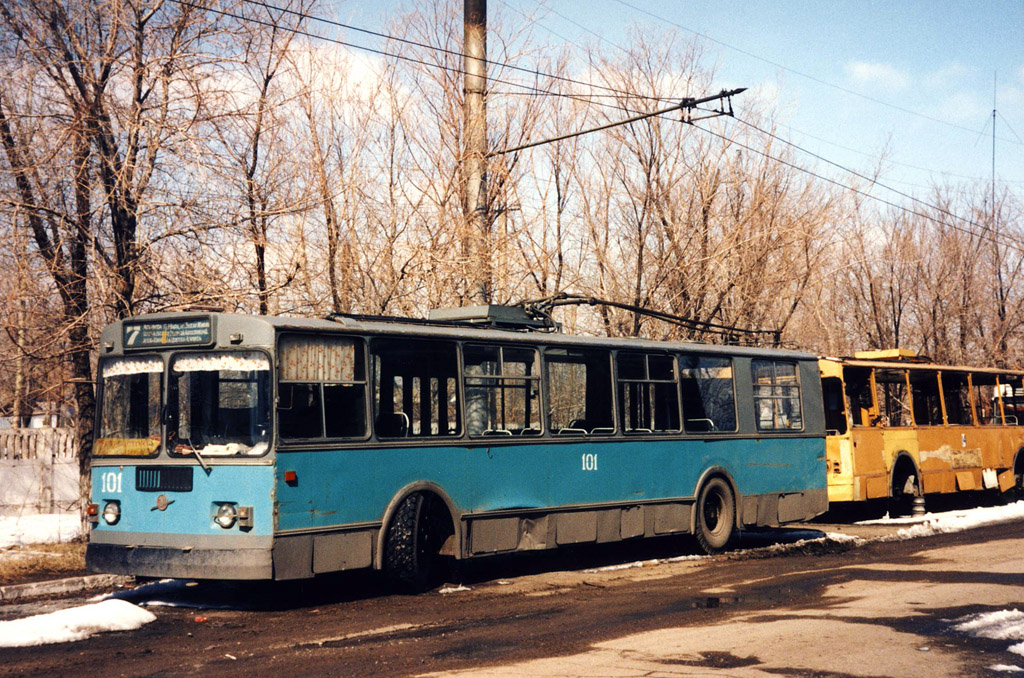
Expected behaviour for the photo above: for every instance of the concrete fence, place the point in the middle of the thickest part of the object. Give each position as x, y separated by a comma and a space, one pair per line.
38, 471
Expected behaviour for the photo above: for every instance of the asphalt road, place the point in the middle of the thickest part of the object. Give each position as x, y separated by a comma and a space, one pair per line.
881, 609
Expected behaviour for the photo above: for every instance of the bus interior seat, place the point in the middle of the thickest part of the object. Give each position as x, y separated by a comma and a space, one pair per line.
392, 424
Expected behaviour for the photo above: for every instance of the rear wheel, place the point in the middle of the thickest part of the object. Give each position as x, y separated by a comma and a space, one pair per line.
716, 516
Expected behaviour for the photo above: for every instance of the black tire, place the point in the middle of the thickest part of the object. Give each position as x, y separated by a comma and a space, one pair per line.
716, 516
411, 547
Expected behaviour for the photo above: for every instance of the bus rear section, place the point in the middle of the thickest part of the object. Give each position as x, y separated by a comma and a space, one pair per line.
902, 428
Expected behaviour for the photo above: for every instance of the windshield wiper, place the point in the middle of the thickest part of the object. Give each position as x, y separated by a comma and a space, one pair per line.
199, 457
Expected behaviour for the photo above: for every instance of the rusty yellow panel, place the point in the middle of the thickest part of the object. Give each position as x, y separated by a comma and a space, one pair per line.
868, 452
899, 440
830, 368
876, 486
938, 481
965, 480
1007, 480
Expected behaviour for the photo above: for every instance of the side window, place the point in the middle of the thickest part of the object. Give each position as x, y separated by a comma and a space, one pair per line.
924, 386
648, 393
502, 386
709, 402
956, 394
835, 411
321, 387
986, 399
893, 397
579, 392
858, 393
415, 388
1012, 395
776, 395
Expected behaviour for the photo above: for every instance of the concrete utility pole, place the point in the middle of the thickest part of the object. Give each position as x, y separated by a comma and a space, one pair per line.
476, 241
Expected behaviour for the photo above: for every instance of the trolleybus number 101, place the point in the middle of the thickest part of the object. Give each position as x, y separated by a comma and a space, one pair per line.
589, 462
111, 482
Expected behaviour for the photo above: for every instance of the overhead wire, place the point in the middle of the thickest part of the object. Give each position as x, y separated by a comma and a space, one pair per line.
808, 76
585, 99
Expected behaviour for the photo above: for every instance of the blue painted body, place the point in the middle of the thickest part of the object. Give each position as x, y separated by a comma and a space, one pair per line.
188, 512
354, 485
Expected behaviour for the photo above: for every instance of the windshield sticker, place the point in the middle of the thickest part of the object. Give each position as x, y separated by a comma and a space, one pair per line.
118, 368
249, 361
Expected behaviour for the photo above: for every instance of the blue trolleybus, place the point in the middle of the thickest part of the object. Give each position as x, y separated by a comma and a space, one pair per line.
243, 447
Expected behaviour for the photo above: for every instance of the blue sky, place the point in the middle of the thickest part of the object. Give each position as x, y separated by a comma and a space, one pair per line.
851, 78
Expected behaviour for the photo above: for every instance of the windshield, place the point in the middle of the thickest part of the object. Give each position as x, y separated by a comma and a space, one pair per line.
130, 399
219, 404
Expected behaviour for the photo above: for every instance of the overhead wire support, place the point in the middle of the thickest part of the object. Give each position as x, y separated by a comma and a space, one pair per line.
687, 105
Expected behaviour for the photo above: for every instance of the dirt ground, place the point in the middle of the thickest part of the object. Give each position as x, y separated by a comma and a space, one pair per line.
840, 611
23, 564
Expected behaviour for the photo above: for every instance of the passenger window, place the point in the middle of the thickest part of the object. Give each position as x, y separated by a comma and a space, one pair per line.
579, 392
986, 399
925, 397
415, 388
321, 388
709, 403
835, 411
858, 393
893, 397
648, 393
956, 394
1012, 395
776, 396
502, 391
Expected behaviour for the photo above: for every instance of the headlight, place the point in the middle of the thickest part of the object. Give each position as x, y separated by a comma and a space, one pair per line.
112, 512
226, 516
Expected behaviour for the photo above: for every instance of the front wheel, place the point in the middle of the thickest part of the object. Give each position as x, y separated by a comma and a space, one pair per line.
415, 536
716, 516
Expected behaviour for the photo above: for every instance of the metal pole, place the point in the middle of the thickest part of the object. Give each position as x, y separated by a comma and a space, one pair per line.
477, 237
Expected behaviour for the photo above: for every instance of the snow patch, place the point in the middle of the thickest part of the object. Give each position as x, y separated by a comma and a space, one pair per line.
958, 521
999, 625
1006, 668
454, 589
77, 623
50, 528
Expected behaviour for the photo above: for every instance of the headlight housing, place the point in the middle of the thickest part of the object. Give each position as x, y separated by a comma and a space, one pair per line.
112, 512
226, 516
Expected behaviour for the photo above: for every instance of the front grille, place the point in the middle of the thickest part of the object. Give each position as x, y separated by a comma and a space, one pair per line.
163, 478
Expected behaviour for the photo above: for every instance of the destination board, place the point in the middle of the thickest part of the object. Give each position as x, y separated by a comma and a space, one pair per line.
191, 332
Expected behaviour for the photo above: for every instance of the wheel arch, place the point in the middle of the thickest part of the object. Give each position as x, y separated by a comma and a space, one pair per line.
900, 463
412, 488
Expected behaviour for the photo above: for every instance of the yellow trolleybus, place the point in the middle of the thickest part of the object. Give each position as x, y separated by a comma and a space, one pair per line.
901, 427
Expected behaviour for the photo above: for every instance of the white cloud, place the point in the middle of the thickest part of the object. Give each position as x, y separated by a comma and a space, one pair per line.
949, 75
885, 76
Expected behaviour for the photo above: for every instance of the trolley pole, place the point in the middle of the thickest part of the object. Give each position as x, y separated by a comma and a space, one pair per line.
476, 240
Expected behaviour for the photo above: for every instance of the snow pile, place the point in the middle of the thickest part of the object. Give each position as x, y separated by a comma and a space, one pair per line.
48, 528
1001, 625
958, 521
77, 623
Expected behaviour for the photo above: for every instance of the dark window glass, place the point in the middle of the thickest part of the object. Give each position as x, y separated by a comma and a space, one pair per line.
648, 393
986, 399
924, 386
835, 412
415, 389
321, 387
709, 403
580, 392
130, 402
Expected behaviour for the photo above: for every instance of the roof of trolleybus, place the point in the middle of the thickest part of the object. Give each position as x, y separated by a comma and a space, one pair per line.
895, 364
266, 327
